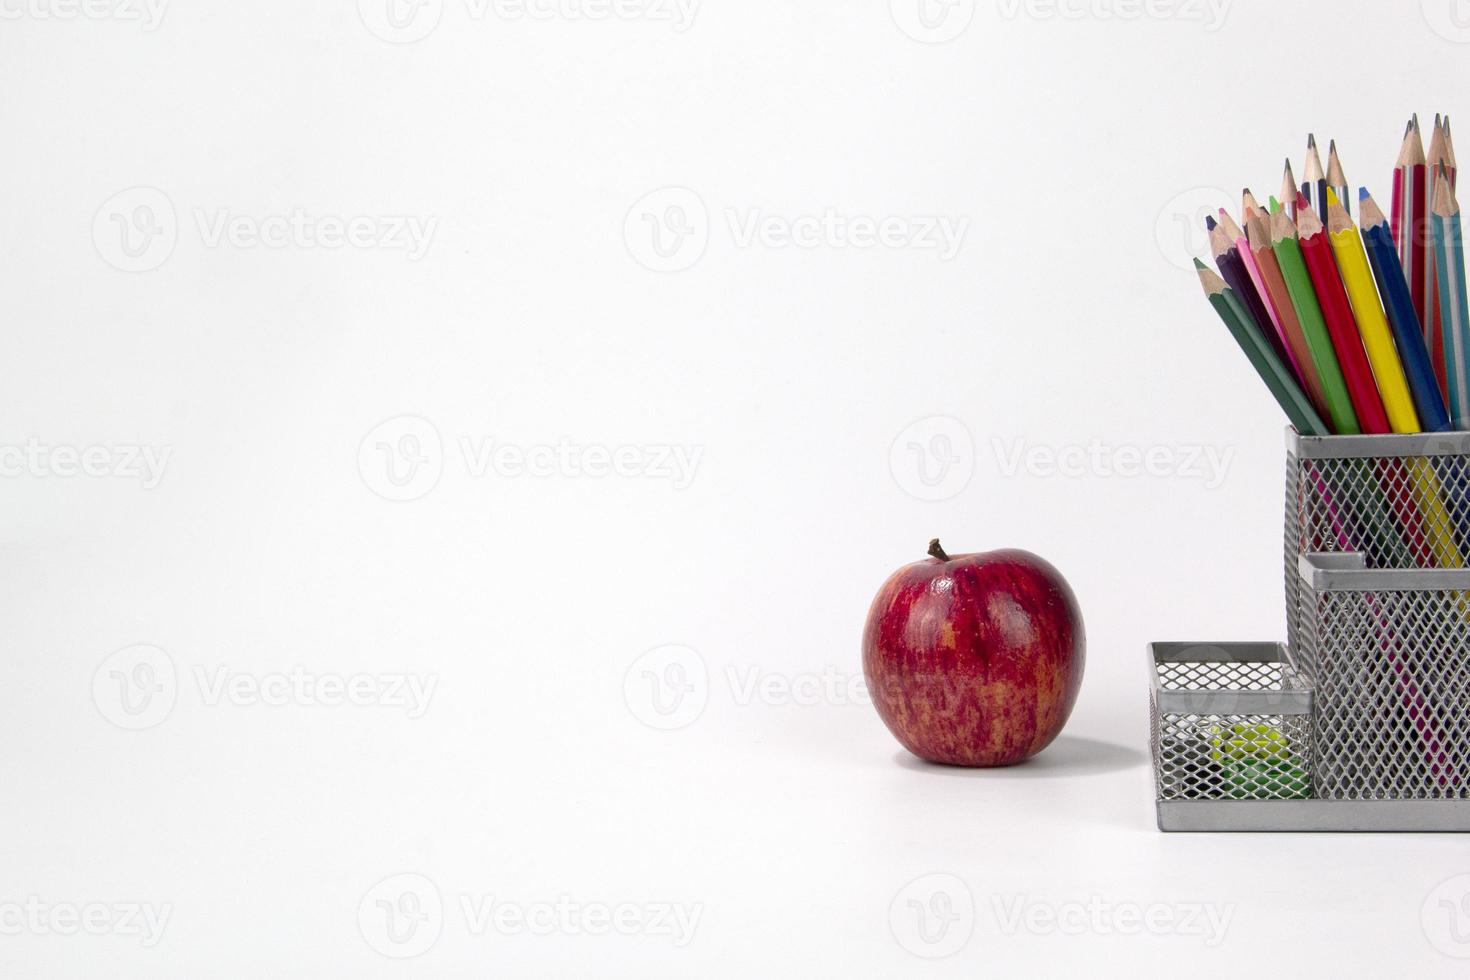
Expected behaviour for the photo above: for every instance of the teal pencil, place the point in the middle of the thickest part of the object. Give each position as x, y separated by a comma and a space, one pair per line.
1449, 259
1273, 372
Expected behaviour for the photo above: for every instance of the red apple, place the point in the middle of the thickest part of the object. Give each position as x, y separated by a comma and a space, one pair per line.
975, 660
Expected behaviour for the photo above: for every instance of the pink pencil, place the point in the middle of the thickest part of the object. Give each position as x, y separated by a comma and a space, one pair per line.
1253, 268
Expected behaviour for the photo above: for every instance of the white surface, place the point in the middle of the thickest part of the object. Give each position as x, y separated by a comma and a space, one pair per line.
795, 828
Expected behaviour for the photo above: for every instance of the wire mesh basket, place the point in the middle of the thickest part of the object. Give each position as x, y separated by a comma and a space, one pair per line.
1231, 721
1362, 721
1390, 653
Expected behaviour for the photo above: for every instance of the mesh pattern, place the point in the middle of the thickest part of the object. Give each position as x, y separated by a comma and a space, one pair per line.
1399, 512
1392, 700
1229, 756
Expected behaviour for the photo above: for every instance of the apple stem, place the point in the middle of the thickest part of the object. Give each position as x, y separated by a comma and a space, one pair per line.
937, 552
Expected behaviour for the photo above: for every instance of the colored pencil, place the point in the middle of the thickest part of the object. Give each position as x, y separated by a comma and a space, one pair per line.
1432, 540
1247, 203
1413, 249
1314, 328
1372, 322
1338, 315
1450, 264
1251, 341
1396, 216
1314, 180
1336, 179
1452, 169
1270, 324
1278, 298
1289, 189
1388, 272
1231, 264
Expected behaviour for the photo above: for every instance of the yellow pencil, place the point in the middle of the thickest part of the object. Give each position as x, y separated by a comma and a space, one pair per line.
1388, 370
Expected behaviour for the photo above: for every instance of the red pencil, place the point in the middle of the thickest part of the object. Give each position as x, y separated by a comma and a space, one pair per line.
1338, 312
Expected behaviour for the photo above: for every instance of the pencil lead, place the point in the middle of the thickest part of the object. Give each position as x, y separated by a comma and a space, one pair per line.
1210, 222
1199, 265
1363, 193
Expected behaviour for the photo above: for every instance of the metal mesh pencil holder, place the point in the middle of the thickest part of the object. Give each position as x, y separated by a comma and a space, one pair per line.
1362, 721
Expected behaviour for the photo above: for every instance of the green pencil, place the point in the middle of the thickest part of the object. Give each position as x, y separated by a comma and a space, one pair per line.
1314, 327
1247, 334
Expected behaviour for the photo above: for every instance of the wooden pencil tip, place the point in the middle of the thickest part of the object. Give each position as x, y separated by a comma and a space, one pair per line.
1311, 141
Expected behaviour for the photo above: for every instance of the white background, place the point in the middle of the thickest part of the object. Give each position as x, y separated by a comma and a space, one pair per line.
1079, 150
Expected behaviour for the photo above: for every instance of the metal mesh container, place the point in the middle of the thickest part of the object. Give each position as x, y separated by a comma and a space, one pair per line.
1231, 721
1362, 721
1390, 651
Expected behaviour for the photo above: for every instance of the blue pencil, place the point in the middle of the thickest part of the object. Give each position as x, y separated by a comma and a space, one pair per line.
1399, 304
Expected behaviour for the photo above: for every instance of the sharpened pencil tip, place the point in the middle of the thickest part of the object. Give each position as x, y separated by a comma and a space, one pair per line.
1363, 194
1210, 222
1199, 265
1311, 141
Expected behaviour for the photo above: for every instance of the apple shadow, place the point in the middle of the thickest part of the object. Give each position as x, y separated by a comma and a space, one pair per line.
1067, 756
